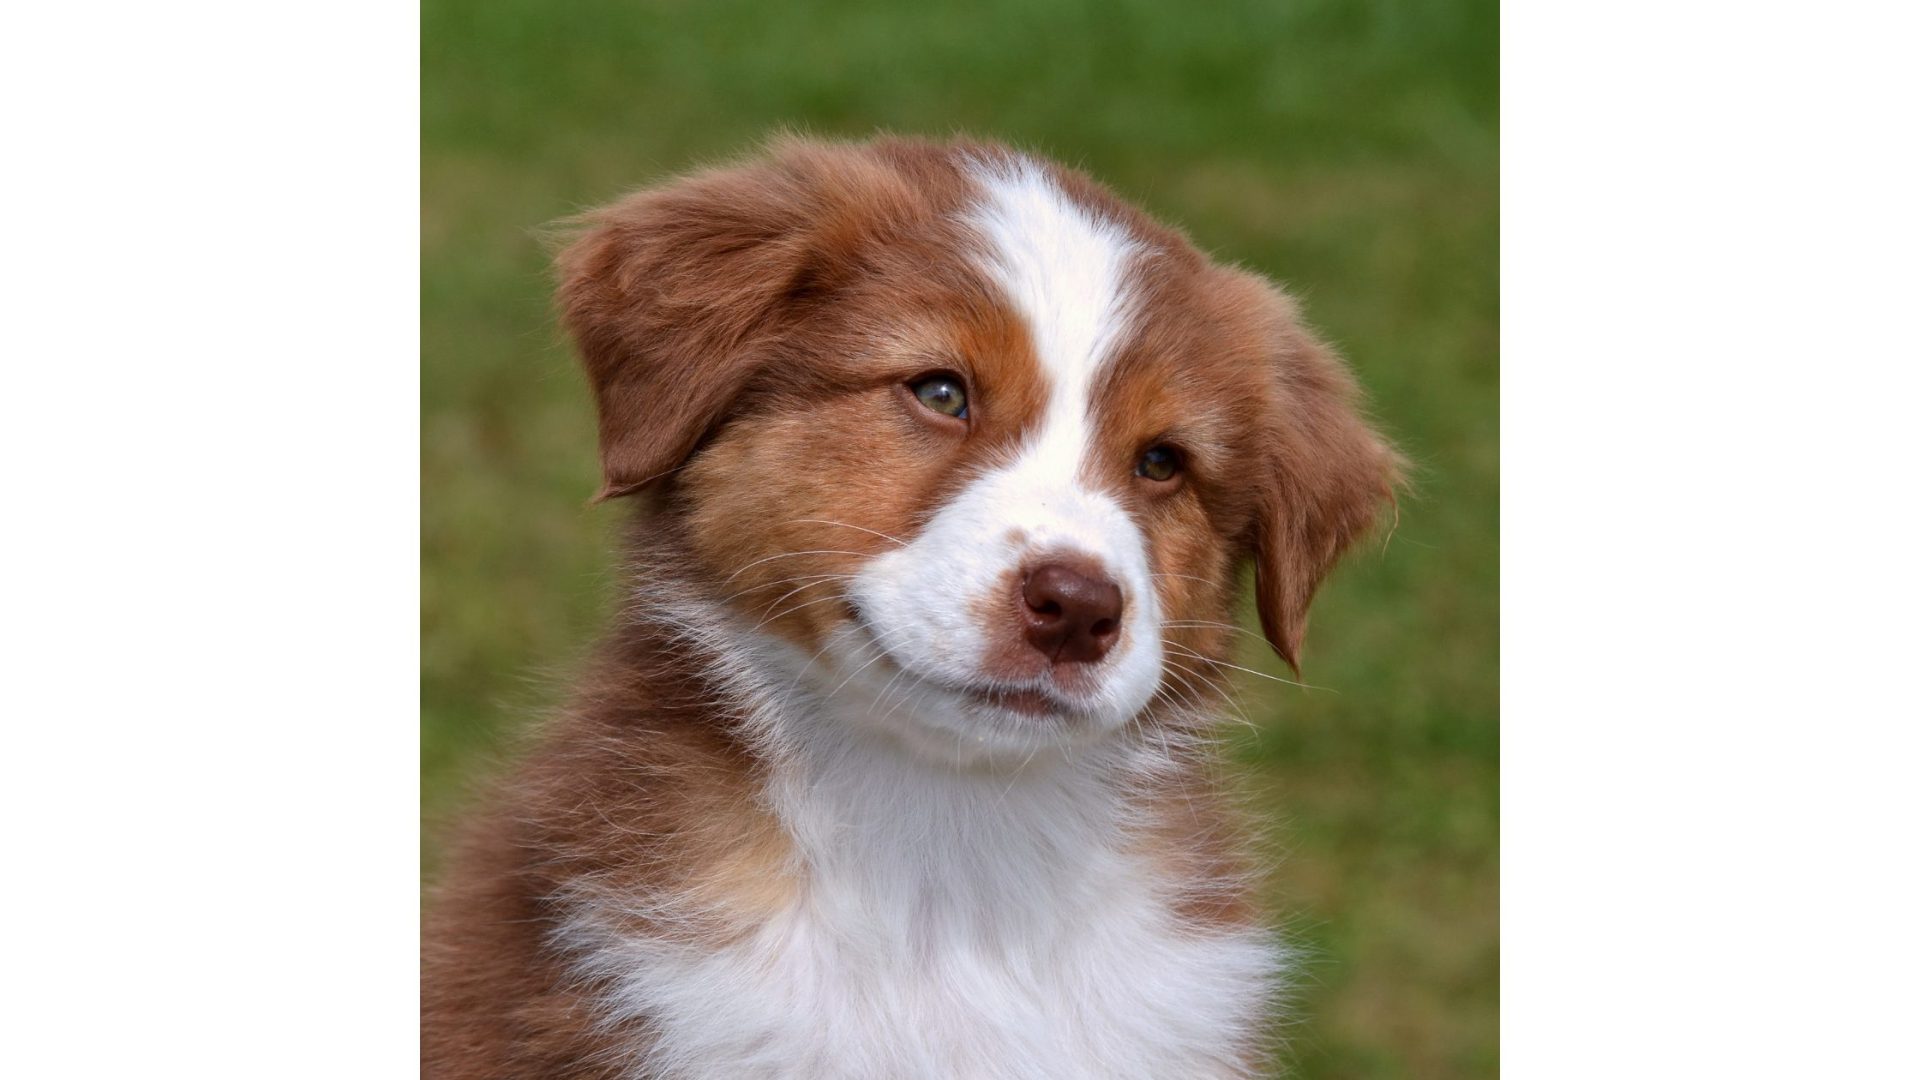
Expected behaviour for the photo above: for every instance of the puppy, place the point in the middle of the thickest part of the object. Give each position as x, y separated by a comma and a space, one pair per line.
894, 765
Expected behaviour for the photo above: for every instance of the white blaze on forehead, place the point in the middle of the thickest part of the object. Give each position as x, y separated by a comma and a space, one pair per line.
1064, 271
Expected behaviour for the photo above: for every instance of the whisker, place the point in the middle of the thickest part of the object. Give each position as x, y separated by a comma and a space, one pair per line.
872, 639
1015, 778
1226, 695
1215, 686
790, 555
846, 525
1248, 670
796, 607
1189, 697
888, 689
780, 582
1207, 623
879, 653
797, 590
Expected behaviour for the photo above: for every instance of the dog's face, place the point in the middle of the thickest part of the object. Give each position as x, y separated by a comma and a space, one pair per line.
979, 447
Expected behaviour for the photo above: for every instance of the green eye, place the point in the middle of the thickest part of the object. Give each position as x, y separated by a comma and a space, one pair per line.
944, 394
1162, 463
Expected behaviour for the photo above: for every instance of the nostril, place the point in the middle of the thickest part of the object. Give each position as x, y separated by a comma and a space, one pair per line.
1073, 610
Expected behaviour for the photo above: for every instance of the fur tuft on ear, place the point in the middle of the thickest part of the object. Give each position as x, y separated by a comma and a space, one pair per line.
1328, 476
676, 295
665, 293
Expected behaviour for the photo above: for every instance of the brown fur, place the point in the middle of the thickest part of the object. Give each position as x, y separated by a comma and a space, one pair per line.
746, 333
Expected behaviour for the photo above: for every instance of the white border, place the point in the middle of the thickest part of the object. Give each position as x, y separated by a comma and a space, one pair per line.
210, 436
1708, 581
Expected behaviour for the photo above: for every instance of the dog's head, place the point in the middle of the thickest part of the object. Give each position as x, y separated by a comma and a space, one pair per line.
978, 446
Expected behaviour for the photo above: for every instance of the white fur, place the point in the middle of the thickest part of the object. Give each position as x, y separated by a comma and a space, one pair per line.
950, 923
1065, 273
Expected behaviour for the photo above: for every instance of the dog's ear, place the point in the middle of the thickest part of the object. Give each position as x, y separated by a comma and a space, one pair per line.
1328, 474
675, 296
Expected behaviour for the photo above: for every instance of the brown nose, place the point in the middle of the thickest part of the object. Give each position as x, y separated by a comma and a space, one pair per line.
1072, 613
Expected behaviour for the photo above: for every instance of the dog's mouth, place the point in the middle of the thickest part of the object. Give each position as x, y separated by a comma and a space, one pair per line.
1026, 701
1029, 699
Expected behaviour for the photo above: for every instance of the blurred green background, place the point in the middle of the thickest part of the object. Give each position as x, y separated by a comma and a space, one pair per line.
1348, 149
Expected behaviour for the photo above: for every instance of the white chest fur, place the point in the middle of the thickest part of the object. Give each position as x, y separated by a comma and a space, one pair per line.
950, 925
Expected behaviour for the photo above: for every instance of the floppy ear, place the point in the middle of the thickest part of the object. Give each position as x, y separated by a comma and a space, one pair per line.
1328, 476
673, 296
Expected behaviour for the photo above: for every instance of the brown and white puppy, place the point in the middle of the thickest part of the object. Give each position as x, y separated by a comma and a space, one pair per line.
894, 765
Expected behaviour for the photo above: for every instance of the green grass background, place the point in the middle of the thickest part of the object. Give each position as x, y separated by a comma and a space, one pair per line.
1348, 149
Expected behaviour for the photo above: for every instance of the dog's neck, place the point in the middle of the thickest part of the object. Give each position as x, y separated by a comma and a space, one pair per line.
920, 845
900, 839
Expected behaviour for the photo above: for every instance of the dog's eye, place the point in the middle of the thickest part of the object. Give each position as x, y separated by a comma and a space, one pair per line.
944, 394
1162, 463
